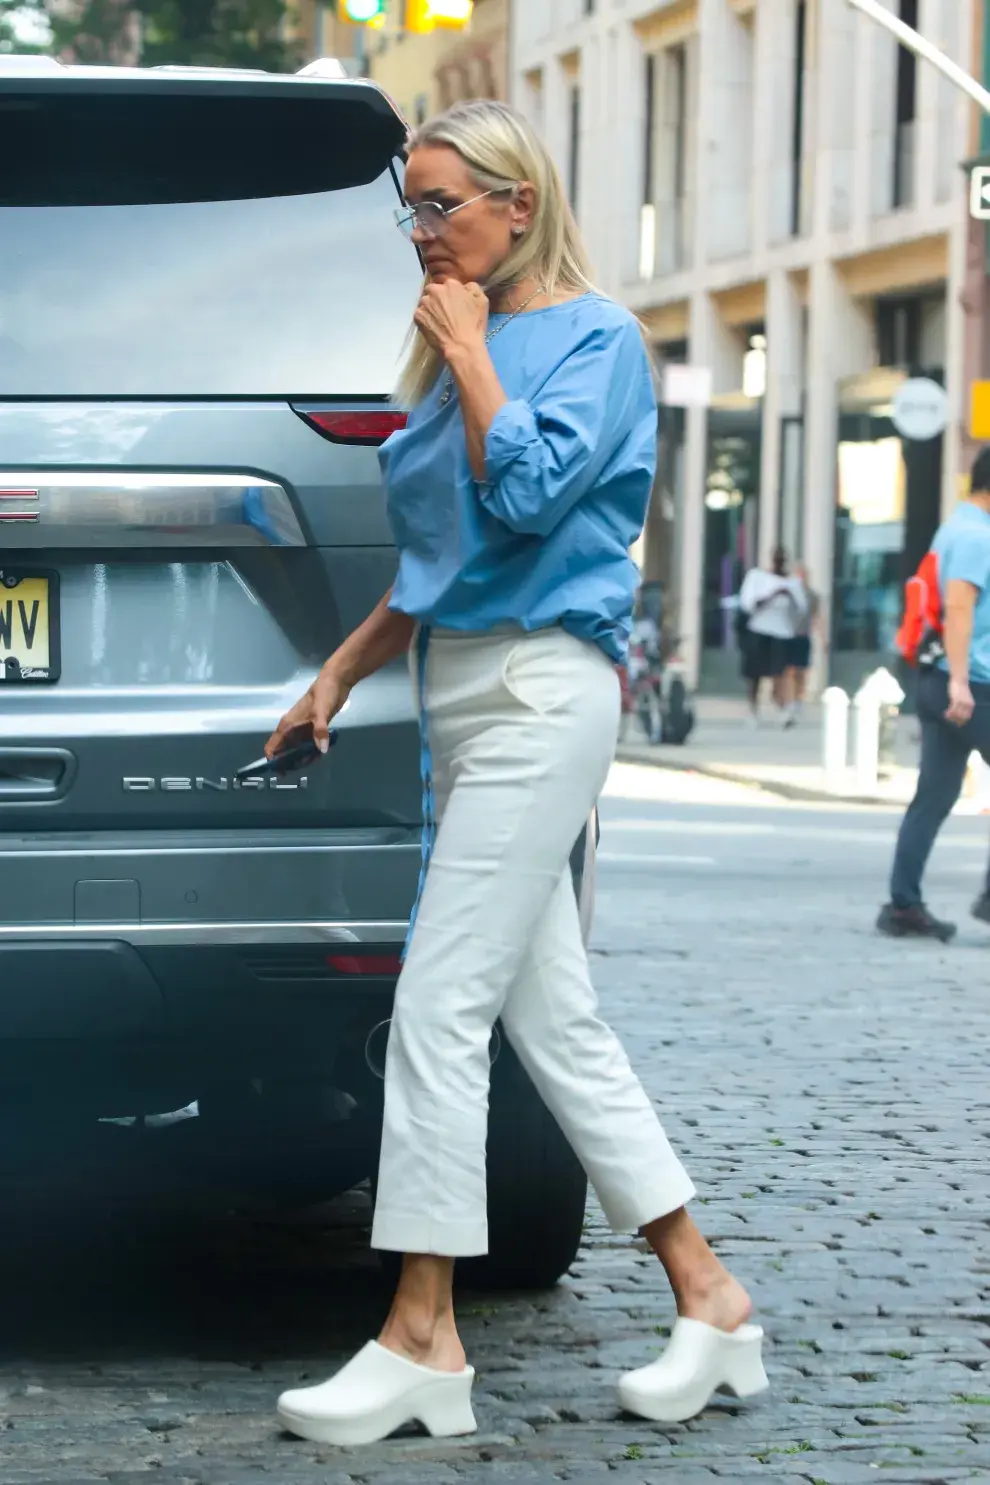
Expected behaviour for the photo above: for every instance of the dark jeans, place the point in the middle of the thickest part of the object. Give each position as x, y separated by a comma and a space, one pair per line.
945, 751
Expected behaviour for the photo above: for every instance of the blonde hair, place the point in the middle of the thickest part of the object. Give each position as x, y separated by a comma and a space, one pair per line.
501, 150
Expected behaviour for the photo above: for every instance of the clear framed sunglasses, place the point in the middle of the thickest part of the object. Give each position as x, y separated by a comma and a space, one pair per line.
429, 217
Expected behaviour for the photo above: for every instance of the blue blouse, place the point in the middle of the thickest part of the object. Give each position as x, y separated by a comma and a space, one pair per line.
570, 461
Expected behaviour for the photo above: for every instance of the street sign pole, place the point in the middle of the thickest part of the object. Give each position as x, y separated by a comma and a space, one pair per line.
916, 43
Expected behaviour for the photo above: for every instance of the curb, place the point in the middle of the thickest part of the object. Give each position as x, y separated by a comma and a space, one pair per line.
799, 793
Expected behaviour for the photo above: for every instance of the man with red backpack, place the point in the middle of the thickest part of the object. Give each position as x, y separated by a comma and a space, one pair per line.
946, 634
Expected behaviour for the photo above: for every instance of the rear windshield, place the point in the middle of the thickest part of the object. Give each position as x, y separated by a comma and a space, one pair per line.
213, 247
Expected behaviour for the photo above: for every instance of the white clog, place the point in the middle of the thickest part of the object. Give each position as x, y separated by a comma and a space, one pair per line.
376, 1393
698, 1362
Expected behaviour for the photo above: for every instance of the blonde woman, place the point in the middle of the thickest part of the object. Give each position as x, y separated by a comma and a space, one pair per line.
514, 494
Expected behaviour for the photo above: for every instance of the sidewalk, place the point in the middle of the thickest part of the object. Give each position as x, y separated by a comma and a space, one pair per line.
725, 745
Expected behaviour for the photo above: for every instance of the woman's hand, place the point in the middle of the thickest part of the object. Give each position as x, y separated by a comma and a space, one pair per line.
453, 316
312, 714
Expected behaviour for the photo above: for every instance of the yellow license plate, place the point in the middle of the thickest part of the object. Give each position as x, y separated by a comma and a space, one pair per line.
29, 627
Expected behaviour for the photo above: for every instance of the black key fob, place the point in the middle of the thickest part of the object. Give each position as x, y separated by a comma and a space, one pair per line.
289, 760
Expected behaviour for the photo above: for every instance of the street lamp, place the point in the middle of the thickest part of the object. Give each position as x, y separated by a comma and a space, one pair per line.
916, 43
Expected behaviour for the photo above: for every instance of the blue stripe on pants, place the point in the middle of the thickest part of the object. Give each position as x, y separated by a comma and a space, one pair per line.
426, 774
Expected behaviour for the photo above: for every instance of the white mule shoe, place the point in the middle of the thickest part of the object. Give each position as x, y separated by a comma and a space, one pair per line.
376, 1393
699, 1361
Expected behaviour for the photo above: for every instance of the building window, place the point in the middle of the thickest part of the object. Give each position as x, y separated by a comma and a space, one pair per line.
649, 121
797, 136
574, 152
899, 332
678, 66
907, 103
755, 364
648, 210
671, 165
534, 98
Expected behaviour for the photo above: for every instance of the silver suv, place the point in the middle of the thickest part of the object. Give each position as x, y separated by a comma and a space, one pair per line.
203, 301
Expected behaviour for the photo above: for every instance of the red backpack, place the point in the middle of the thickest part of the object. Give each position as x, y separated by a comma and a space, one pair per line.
919, 638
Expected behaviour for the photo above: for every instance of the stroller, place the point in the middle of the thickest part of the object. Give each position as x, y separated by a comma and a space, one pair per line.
654, 691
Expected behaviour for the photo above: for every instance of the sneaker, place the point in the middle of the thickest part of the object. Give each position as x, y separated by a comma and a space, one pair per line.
913, 922
981, 908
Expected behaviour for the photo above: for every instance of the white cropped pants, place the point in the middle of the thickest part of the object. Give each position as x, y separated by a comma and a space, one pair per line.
522, 732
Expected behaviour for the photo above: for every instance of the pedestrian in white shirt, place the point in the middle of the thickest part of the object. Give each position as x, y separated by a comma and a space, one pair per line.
773, 604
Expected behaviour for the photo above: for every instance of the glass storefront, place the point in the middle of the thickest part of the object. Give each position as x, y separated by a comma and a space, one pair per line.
888, 499
732, 498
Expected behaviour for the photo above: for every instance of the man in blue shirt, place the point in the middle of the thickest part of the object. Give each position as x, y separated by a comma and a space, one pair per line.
953, 706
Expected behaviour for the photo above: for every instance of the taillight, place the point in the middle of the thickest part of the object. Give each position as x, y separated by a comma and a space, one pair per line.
365, 964
368, 428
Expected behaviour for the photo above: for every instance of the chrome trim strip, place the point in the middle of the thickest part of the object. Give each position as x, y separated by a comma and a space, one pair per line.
162, 509
209, 934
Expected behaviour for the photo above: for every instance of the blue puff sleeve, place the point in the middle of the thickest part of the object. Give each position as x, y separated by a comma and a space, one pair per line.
543, 455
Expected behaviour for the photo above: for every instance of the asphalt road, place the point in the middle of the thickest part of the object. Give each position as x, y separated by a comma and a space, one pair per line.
830, 1093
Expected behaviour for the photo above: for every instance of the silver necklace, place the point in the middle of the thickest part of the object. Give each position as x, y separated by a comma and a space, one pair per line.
448, 390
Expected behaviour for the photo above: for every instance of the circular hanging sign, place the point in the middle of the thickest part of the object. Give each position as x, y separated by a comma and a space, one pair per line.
921, 409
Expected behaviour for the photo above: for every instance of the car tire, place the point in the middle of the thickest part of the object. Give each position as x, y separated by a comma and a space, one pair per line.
537, 1189
537, 1192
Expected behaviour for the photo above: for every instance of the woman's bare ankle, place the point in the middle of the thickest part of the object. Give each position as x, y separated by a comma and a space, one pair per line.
718, 1300
703, 1287
421, 1325
425, 1339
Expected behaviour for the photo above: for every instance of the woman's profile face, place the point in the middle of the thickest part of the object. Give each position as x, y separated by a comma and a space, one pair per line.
468, 244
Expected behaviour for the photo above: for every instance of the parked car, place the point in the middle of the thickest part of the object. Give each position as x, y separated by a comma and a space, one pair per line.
203, 301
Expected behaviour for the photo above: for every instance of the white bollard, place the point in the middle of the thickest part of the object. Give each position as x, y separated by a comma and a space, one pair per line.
835, 740
878, 690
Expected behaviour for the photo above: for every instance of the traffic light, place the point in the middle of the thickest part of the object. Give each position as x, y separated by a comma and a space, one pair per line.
423, 16
362, 12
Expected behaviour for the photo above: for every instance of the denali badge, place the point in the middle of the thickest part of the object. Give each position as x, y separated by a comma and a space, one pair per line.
209, 786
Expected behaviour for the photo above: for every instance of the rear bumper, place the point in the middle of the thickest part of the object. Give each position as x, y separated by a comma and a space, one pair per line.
212, 944
292, 986
106, 1014
209, 887
207, 983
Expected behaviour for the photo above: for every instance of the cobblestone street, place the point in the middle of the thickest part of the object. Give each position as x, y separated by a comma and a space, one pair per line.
830, 1093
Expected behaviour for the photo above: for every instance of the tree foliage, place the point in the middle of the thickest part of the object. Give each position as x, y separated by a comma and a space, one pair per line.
206, 33
211, 33
18, 30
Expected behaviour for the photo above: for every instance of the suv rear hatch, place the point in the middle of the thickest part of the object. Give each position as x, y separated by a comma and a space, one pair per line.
203, 301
